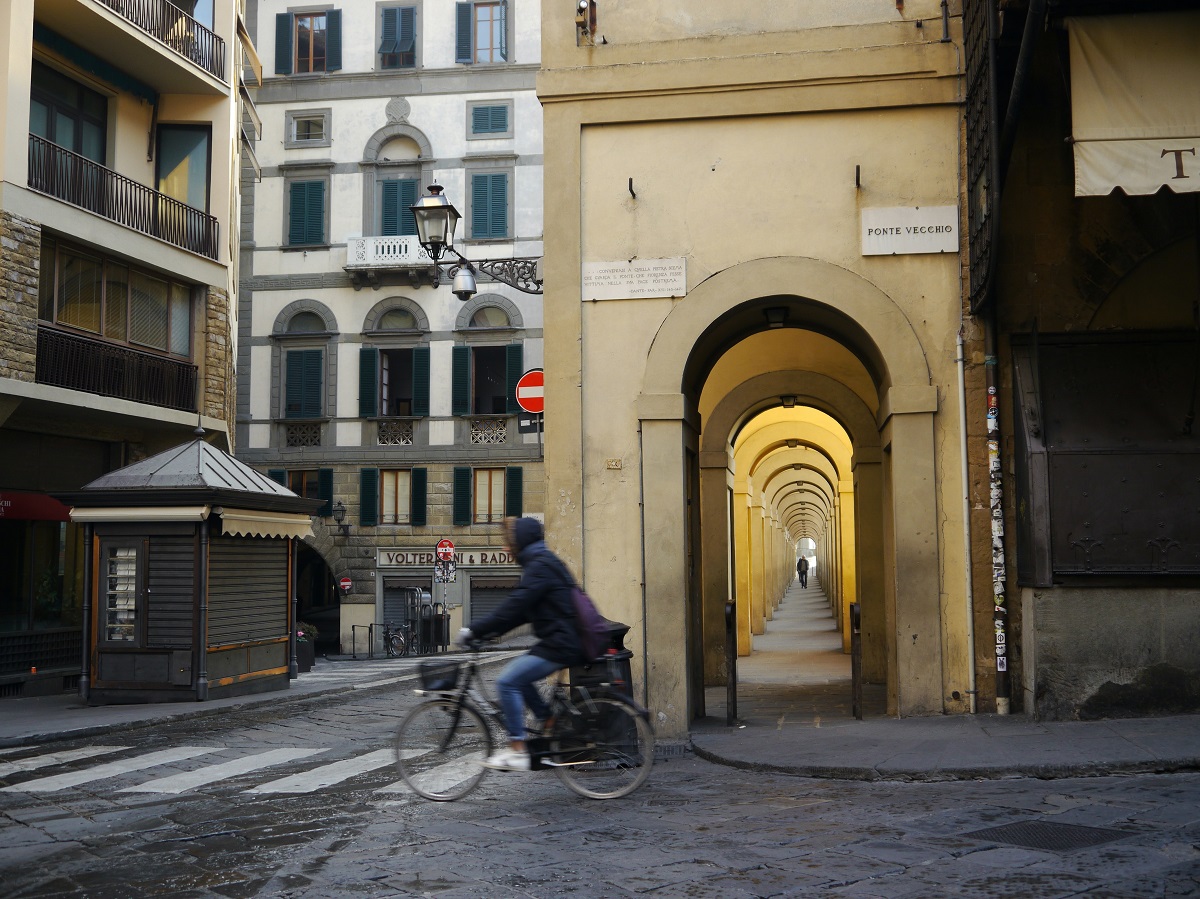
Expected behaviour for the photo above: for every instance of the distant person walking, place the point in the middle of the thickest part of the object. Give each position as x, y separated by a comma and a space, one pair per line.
802, 570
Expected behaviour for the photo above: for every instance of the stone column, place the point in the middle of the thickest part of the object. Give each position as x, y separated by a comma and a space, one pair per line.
743, 579
849, 553
917, 581
716, 480
869, 566
667, 619
20, 264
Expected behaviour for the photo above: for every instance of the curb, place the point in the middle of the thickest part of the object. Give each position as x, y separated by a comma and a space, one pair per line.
944, 775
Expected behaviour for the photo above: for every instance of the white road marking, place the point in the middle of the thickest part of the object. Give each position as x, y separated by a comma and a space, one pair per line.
328, 775
56, 758
190, 780
441, 778
111, 769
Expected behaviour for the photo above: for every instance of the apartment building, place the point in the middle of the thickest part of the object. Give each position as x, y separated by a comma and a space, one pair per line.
118, 223
363, 379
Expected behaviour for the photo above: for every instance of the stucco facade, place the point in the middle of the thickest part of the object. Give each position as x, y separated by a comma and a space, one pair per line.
746, 147
412, 417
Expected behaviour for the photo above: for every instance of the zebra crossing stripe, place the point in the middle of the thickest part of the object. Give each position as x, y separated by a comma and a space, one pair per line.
327, 775
441, 778
56, 758
110, 769
190, 780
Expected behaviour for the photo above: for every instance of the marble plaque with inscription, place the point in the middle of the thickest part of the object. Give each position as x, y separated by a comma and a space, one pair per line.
634, 279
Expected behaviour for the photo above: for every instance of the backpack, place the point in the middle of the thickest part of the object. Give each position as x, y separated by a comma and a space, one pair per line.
592, 628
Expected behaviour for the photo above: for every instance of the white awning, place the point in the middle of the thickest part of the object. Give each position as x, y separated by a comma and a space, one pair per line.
1135, 107
140, 514
264, 524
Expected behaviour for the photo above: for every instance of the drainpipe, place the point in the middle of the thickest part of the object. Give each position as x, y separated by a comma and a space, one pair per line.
966, 491
645, 620
202, 625
90, 580
996, 502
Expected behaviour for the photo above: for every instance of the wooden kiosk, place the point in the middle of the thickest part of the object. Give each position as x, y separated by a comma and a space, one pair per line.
189, 578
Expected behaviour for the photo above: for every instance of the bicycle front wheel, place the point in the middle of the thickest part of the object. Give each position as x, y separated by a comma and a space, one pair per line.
605, 753
440, 748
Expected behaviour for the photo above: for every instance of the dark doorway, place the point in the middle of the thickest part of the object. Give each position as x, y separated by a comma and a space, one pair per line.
318, 599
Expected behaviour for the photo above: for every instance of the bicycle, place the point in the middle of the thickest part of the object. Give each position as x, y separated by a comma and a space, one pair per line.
599, 742
397, 641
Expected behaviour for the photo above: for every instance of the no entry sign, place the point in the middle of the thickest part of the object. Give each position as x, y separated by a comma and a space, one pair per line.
445, 550
531, 392
345, 583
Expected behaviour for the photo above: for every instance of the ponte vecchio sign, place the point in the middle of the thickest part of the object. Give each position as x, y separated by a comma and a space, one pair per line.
898, 230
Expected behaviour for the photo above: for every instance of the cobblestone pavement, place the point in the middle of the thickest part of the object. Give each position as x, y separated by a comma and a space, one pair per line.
300, 799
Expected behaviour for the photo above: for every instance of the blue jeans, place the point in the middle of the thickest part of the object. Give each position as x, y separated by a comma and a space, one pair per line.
516, 687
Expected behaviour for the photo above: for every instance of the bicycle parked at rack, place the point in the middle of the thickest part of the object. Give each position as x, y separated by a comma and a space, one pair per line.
599, 741
397, 641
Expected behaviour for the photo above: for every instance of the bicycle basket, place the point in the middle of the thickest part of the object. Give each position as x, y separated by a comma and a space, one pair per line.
439, 675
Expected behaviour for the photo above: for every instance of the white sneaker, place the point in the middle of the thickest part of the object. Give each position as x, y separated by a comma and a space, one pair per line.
508, 760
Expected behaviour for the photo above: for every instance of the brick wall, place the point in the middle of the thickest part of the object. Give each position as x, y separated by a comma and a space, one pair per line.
20, 263
218, 397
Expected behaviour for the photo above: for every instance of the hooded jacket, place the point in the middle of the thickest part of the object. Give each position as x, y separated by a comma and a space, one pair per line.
542, 598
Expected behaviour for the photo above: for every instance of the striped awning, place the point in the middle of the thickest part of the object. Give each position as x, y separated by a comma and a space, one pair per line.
1135, 108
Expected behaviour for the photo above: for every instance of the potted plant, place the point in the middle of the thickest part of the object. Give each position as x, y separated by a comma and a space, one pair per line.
306, 644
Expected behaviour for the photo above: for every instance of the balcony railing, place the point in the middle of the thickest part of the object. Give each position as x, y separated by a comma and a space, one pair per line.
77, 180
170, 25
81, 363
366, 257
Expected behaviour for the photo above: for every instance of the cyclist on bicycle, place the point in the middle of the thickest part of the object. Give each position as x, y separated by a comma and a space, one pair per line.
543, 599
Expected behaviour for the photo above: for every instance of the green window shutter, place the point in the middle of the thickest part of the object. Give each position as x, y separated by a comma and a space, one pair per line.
297, 210
314, 213
368, 497
418, 488
391, 31
408, 32
325, 490
333, 40
397, 216
306, 212
514, 367
408, 196
464, 41
514, 478
462, 496
460, 381
421, 381
302, 393
489, 119
283, 43
368, 382
390, 219
489, 205
278, 475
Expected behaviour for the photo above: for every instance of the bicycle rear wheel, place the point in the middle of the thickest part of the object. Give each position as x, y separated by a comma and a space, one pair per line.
440, 748
604, 754
395, 645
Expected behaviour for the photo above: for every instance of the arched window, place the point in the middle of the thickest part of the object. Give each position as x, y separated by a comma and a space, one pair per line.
305, 322
490, 317
397, 320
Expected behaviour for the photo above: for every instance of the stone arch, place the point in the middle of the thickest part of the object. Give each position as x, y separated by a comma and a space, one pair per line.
288, 312
819, 296
831, 299
477, 302
391, 131
387, 304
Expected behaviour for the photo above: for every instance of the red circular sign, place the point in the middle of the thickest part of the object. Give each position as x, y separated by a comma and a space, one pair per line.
445, 550
345, 583
531, 392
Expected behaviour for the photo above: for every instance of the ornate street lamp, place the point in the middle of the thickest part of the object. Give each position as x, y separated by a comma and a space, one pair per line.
436, 221
339, 518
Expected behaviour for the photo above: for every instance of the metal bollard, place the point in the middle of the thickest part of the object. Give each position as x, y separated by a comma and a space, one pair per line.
856, 660
730, 663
